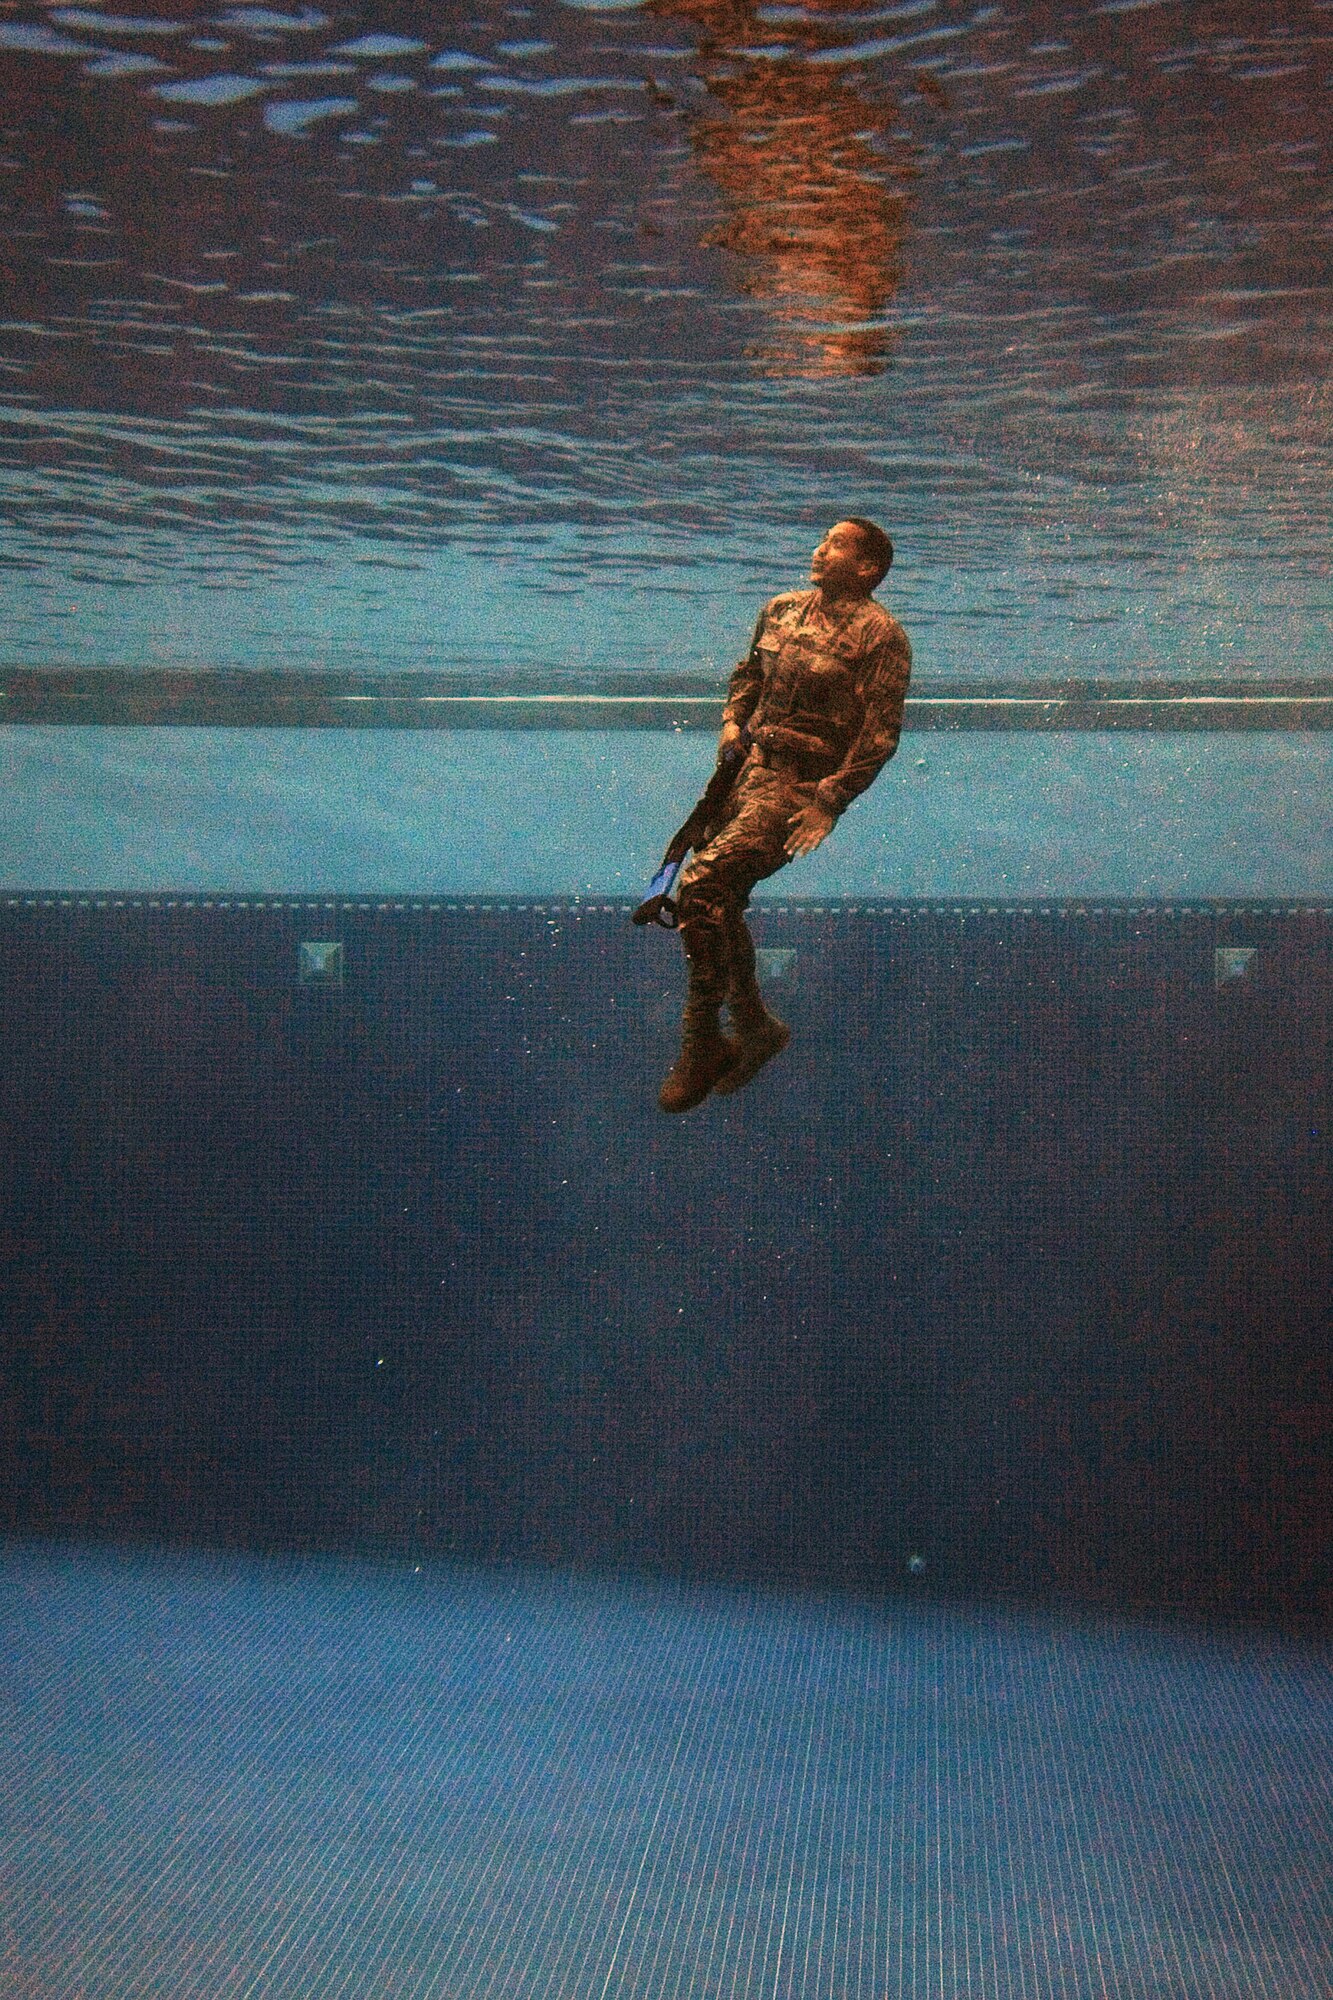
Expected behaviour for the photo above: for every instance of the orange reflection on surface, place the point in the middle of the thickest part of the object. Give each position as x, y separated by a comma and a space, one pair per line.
817, 198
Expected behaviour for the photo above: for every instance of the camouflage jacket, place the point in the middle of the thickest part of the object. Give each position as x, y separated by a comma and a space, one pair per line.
825, 689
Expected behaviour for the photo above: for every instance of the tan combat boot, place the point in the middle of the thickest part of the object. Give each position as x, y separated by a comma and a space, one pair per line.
705, 1055
759, 1037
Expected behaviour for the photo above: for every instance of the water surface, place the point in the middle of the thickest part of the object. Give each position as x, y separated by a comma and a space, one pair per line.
548, 337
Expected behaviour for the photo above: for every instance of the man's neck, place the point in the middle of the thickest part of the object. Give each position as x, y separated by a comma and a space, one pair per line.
831, 602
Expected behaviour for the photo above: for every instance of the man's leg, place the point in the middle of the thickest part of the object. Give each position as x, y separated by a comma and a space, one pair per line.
705, 1053
714, 889
759, 1034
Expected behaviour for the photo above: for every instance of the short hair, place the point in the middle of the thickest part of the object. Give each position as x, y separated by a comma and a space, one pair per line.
876, 544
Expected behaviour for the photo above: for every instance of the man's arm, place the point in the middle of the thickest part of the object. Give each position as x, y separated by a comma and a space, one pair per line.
878, 738
743, 694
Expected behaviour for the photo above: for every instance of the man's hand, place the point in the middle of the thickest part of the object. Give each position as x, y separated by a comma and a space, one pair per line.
807, 828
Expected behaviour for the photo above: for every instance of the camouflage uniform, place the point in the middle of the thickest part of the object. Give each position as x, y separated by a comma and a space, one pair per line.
822, 697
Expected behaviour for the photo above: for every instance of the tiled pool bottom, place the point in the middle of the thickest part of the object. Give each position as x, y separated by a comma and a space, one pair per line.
227, 1776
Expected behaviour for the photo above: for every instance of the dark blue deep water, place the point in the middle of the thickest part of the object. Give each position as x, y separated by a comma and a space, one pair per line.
471, 1534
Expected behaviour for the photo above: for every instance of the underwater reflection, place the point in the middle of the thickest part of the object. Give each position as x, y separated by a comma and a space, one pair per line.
813, 174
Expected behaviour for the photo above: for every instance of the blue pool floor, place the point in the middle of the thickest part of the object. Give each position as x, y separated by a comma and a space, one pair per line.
228, 1776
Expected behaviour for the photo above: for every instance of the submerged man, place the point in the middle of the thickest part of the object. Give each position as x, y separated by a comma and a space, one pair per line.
819, 699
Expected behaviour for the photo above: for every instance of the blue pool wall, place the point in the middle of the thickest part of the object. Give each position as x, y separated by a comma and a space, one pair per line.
1016, 1262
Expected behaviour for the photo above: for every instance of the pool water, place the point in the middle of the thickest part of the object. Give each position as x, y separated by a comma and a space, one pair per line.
467, 1534
549, 338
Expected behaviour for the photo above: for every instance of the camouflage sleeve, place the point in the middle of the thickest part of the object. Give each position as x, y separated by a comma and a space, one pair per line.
746, 681
885, 691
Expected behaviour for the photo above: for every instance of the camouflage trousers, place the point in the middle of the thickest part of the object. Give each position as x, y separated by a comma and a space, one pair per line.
746, 845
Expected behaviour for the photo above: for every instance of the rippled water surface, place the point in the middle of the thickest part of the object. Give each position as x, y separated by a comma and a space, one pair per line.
543, 339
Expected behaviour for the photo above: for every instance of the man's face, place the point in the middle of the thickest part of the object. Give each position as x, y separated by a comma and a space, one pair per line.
839, 564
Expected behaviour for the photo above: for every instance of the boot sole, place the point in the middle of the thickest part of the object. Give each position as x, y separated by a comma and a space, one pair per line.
752, 1061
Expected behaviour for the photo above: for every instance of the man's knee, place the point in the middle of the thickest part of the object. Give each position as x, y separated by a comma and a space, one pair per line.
699, 909
721, 881
700, 892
